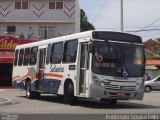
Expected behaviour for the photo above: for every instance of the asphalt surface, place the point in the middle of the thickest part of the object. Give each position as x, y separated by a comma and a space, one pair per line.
5, 101
49, 107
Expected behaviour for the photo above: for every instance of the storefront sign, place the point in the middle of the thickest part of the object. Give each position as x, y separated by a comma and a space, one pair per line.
7, 42
7, 47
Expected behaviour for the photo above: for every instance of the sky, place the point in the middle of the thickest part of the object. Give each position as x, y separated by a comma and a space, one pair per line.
141, 17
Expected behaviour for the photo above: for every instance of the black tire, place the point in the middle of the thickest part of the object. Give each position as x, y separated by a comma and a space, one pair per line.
60, 97
29, 93
71, 99
104, 100
110, 101
147, 89
113, 102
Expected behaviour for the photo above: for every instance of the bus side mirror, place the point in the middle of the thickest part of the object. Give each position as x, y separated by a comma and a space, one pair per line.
91, 47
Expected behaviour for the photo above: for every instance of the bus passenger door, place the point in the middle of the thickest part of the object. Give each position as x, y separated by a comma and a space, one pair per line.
83, 68
41, 68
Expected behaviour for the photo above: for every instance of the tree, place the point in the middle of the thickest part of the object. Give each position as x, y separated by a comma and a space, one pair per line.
85, 24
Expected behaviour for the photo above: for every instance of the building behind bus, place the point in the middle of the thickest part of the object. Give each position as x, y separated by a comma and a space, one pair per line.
28, 21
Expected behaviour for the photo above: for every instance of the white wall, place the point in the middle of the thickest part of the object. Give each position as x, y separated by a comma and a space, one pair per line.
27, 29
65, 21
43, 13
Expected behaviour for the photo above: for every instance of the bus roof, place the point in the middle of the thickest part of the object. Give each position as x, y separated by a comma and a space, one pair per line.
75, 36
58, 39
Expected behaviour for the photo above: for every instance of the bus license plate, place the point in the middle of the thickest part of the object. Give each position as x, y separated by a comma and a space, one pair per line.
120, 94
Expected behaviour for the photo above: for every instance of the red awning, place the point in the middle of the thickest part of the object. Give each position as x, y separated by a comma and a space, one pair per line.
6, 58
152, 62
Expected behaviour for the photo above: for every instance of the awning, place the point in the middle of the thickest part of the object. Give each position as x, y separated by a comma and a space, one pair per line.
6, 58
152, 62
6, 55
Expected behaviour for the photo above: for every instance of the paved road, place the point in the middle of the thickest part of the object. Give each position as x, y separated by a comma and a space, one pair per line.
49, 104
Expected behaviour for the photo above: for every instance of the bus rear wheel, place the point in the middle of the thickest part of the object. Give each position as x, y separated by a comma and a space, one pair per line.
29, 93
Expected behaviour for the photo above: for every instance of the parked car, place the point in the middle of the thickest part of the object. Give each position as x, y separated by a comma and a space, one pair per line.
152, 85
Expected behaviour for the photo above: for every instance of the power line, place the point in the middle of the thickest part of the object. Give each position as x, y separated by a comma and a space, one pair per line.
144, 30
100, 11
150, 35
148, 25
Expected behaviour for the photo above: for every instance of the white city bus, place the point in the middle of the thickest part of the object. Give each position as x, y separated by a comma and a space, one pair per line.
101, 65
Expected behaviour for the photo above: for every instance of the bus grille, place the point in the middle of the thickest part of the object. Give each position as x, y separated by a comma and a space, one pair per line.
117, 87
121, 85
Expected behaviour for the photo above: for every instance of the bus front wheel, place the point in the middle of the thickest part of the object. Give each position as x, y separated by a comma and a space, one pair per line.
113, 102
110, 101
71, 99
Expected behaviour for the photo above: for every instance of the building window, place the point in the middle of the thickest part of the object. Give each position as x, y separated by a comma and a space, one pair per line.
52, 5
51, 32
55, 5
24, 5
47, 32
21, 5
59, 5
11, 29
17, 5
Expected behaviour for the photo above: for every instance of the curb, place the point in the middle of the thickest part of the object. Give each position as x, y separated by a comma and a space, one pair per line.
6, 101
9, 89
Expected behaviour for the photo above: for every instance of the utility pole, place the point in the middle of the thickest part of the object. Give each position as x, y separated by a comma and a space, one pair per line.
121, 16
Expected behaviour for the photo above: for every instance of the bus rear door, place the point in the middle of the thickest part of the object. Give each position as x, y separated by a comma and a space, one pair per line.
41, 67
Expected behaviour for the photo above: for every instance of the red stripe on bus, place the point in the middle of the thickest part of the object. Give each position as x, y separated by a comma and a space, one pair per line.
23, 77
54, 75
16, 77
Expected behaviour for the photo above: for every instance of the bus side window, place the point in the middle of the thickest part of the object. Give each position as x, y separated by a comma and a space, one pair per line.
16, 57
21, 54
33, 57
56, 53
48, 54
26, 56
70, 51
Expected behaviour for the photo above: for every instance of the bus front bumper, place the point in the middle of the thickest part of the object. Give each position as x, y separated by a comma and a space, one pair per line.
100, 92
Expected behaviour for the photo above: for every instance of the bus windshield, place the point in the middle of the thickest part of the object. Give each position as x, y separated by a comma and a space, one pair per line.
118, 60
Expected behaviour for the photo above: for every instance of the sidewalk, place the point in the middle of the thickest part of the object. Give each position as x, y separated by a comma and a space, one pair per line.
6, 88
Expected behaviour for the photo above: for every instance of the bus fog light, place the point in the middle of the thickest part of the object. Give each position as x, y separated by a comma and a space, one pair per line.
133, 94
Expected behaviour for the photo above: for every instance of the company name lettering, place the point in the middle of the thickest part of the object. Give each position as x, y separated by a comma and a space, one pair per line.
56, 69
7, 44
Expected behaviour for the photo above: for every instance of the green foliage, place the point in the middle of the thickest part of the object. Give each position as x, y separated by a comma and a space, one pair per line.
85, 24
